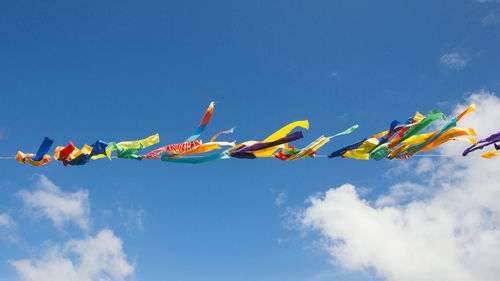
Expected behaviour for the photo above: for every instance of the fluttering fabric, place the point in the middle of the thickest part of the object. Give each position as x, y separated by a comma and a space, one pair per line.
268, 152
82, 157
410, 128
230, 131
400, 141
287, 152
309, 150
420, 142
128, 149
197, 159
203, 124
429, 118
379, 147
71, 155
175, 148
492, 153
63, 154
383, 149
250, 151
306, 152
203, 147
98, 150
343, 150
192, 144
40, 158
483, 143
168, 155
361, 149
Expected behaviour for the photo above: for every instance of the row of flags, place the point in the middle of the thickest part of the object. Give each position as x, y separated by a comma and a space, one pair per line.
401, 141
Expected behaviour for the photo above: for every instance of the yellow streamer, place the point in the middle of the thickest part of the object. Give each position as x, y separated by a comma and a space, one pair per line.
23, 158
154, 139
362, 152
452, 134
491, 154
310, 149
268, 152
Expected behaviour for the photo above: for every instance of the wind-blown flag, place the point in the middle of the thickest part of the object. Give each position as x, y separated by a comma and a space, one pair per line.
203, 124
40, 158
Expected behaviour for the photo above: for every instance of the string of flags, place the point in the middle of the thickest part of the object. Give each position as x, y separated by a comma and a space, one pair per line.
401, 141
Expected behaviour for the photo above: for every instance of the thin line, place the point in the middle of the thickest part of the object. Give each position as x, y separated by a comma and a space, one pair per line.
436, 155
423, 155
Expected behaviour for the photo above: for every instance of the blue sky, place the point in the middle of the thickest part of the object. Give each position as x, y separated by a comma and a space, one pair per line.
125, 70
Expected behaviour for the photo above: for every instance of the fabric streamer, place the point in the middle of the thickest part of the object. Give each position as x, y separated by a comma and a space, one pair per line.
492, 154
40, 158
63, 154
70, 153
400, 141
394, 128
230, 131
188, 148
419, 142
268, 152
363, 151
306, 152
196, 160
128, 149
79, 156
310, 150
398, 138
250, 151
343, 150
376, 146
205, 147
381, 151
411, 127
453, 134
203, 124
430, 118
290, 151
96, 151
176, 148
483, 143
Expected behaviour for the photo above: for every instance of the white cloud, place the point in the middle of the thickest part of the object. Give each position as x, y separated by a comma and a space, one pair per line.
6, 221
425, 165
448, 230
7, 228
90, 259
49, 201
453, 61
493, 17
401, 193
132, 218
280, 199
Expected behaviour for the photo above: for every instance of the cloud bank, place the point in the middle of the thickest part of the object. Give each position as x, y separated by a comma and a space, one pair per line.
453, 61
60, 207
6, 221
92, 258
445, 226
